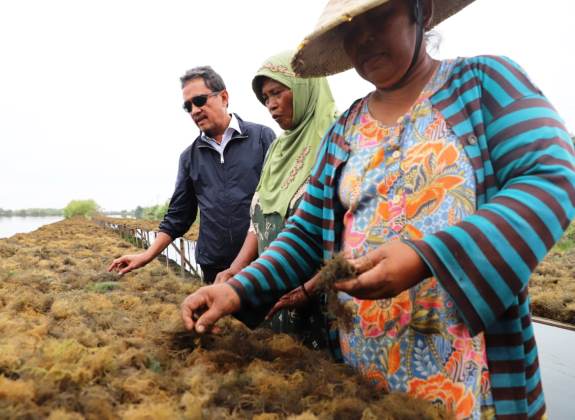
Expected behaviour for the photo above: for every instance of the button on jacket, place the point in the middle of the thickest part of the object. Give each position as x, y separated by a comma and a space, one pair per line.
221, 186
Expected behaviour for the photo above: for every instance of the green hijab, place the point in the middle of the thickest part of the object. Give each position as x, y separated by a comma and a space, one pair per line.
292, 155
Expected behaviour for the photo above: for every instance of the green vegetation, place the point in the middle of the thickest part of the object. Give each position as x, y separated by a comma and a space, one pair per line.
567, 242
86, 208
156, 212
103, 287
31, 212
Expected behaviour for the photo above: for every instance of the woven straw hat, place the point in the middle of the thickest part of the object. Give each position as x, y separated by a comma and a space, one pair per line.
322, 53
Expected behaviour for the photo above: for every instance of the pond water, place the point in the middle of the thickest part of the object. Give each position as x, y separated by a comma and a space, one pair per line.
557, 361
12, 225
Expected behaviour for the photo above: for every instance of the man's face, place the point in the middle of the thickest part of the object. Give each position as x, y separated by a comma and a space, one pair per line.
212, 117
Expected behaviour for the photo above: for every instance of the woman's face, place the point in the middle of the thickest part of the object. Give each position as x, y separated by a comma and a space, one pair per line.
278, 99
380, 43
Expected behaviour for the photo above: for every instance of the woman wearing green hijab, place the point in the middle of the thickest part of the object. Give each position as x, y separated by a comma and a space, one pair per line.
305, 109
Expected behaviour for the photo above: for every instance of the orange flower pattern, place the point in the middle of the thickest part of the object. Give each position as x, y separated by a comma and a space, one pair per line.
385, 316
405, 181
439, 388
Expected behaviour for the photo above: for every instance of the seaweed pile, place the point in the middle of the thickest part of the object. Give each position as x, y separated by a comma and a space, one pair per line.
335, 270
552, 287
78, 342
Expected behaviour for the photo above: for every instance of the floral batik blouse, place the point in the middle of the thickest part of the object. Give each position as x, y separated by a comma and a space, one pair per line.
405, 181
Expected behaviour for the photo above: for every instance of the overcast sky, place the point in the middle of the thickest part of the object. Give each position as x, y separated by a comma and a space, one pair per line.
90, 102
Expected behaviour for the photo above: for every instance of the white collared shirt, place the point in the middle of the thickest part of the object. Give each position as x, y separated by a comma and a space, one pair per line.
233, 126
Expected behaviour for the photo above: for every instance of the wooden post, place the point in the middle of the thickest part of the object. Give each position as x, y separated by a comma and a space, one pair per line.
182, 257
168, 258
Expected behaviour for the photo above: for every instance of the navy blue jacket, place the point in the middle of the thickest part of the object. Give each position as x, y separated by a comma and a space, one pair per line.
222, 191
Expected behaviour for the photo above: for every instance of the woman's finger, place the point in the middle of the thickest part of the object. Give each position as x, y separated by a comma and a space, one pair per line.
369, 260
206, 322
187, 318
372, 284
220, 277
363, 264
354, 287
275, 309
190, 307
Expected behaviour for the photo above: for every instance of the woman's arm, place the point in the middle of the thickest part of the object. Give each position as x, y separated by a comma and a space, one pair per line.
291, 259
485, 261
247, 254
297, 252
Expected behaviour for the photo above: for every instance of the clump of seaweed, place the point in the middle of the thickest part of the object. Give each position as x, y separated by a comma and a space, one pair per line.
335, 270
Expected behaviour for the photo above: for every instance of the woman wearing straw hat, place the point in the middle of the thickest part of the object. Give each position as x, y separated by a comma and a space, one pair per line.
305, 109
446, 185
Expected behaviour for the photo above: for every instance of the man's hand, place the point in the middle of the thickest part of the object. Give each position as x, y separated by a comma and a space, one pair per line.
203, 308
127, 263
225, 275
385, 272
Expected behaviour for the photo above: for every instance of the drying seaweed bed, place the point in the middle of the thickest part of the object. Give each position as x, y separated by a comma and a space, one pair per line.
78, 342
552, 285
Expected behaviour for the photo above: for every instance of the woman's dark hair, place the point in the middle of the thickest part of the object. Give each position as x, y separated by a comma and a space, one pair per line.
213, 80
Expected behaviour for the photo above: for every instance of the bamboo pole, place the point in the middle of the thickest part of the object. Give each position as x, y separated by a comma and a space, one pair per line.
553, 323
183, 257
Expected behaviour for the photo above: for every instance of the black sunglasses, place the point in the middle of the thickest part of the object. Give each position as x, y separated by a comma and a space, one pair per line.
198, 101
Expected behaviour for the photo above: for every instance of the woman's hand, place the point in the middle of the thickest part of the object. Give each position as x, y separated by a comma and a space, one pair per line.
225, 275
247, 254
385, 272
203, 308
296, 298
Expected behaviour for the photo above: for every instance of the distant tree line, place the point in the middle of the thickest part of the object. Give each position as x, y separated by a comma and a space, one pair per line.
156, 212
88, 208
31, 212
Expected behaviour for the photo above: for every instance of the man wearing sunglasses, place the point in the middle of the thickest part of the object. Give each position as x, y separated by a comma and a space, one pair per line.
218, 173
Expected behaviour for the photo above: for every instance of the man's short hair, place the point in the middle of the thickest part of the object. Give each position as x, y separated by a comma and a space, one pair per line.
213, 80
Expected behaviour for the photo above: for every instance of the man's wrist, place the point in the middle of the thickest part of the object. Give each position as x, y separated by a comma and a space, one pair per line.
148, 255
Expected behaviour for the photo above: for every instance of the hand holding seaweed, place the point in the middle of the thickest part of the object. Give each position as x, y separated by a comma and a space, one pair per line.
385, 272
337, 270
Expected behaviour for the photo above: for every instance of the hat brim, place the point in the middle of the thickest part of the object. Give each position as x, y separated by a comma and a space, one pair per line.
322, 53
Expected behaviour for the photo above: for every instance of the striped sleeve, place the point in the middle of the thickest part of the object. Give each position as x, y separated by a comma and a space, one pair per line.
485, 261
297, 252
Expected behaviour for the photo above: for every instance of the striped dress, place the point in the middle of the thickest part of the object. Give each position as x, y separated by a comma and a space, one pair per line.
523, 164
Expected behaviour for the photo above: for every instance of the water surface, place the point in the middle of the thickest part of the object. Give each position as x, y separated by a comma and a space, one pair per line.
12, 225
557, 362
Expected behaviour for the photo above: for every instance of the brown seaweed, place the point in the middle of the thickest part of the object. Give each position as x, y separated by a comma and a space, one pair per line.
335, 270
70, 350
